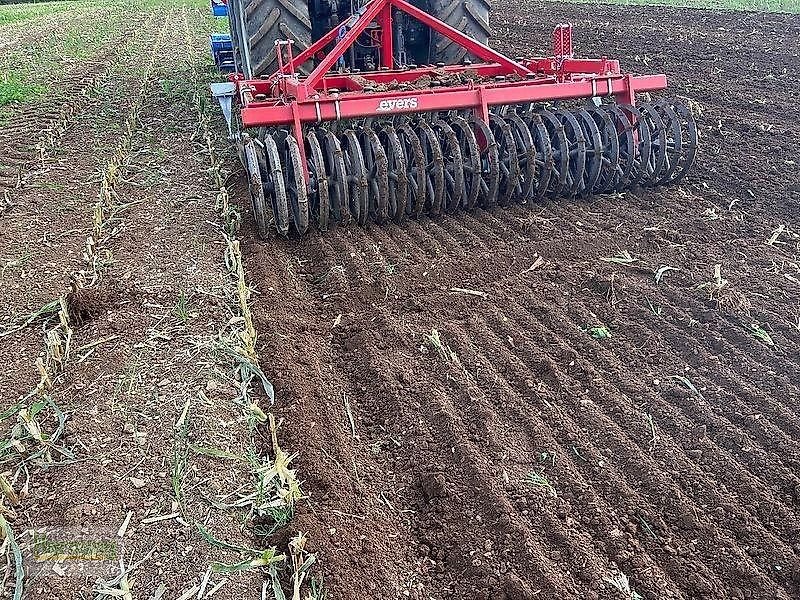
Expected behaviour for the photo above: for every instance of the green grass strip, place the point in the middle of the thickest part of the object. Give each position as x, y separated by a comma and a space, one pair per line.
14, 90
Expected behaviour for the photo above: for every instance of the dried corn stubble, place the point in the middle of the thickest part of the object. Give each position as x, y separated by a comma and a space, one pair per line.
276, 486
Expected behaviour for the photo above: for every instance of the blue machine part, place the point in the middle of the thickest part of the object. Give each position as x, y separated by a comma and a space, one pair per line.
222, 51
219, 8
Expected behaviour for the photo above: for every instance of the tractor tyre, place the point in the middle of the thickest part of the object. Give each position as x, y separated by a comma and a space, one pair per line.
470, 17
265, 22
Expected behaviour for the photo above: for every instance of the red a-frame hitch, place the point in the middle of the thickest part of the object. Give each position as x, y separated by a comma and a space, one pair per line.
289, 98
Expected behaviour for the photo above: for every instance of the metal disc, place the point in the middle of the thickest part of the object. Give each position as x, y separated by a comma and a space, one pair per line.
641, 134
250, 151
574, 183
560, 148
295, 183
509, 158
377, 167
356, 176
658, 143
434, 167
415, 167
526, 158
594, 151
609, 167
453, 167
397, 172
470, 154
274, 184
544, 153
626, 144
338, 188
319, 186
690, 141
489, 163
674, 140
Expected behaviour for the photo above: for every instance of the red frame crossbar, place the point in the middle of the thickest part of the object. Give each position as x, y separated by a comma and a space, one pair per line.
289, 98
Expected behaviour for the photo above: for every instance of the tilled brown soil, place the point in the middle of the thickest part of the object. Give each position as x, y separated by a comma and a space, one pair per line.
452, 444
499, 450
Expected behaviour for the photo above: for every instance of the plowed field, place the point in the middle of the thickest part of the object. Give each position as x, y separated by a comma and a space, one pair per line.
577, 399
670, 450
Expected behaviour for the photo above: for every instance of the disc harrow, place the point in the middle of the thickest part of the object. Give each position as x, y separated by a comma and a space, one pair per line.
433, 164
350, 130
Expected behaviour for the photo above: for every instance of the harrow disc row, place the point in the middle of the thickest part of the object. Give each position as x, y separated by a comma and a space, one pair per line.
379, 171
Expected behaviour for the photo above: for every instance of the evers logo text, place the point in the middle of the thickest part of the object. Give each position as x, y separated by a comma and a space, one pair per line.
397, 104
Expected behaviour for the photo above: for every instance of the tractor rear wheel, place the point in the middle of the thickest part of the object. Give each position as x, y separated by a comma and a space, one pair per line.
257, 24
470, 17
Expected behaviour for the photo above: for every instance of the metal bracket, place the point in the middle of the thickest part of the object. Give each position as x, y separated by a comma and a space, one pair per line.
224, 92
562, 46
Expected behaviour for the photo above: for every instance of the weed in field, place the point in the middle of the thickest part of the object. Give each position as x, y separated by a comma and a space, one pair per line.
129, 381
215, 452
277, 518
19, 322
287, 487
760, 333
275, 488
445, 353
16, 12
120, 585
300, 564
789, 6
538, 480
469, 292
337, 270
531, 222
181, 310
39, 422
348, 411
169, 88
538, 262
38, 428
6, 204
302, 560
251, 558
246, 372
317, 591
643, 522
578, 453
180, 454
599, 332
8, 494
13, 551
717, 284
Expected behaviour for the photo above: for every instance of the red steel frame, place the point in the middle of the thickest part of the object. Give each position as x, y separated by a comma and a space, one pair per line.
288, 98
